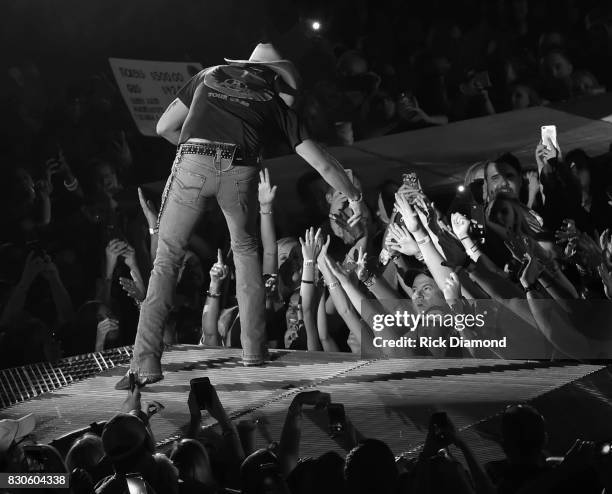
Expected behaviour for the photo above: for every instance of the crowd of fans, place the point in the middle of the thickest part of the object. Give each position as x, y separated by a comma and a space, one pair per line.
119, 456
531, 242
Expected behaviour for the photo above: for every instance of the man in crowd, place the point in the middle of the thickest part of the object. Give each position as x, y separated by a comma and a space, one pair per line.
220, 122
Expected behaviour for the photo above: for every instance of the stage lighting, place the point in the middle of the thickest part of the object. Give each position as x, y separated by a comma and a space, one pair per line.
460, 188
316, 25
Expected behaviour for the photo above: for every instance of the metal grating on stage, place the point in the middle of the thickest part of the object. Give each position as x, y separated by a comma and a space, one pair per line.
388, 399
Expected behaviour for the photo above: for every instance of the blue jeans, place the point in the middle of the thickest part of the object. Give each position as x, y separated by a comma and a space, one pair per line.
196, 179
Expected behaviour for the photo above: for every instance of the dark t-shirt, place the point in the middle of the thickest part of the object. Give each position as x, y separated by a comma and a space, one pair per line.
235, 104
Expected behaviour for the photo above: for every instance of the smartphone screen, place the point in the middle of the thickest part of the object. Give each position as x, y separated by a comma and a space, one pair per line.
201, 389
549, 136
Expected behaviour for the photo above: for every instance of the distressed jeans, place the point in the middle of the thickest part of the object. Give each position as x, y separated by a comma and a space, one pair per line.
196, 179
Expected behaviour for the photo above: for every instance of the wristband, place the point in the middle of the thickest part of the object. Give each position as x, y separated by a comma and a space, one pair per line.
333, 284
265, 212
464, 238
153, 231
424, 241
308, 282
308, 262
212, 295
531, 288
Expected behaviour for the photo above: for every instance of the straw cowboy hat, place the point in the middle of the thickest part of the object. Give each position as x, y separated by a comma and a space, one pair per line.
266, 54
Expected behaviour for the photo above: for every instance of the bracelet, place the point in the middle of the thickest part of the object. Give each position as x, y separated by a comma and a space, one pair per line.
461, 239
424, 241
308, 282
308, 262
72, 186
153, 231
265, 212
212, 295
531, 288
333, 284
370, 280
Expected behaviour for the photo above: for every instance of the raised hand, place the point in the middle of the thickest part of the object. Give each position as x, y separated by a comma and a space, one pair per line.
266, 192
461, 225
409, 215
401, 240
105, 327
336, 269
452, 289
533, 182
133, 400
49, 270
362, 265
311, 245
148, 208
218, 272
132, 289
605, 243
322, 265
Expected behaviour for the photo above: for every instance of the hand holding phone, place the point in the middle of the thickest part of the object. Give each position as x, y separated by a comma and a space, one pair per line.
202, 390
337, 419
549, 137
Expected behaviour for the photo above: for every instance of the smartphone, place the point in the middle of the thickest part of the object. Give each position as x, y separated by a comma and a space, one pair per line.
132, 382
411, 185
482, 79
477, 221
549, 136
337, 419
439, 422
202, 389
349, 174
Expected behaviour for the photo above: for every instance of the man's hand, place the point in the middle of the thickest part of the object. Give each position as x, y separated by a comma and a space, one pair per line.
605, 243
266, 193
461, 225
104, 327
194, 408
148, 208
533, 182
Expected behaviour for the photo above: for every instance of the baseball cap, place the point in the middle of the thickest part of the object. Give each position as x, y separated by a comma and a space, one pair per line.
12, 430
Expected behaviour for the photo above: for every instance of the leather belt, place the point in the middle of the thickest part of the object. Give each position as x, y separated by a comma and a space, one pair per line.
218, 150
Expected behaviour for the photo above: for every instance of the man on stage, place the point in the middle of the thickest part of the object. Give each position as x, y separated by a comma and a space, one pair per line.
220, 121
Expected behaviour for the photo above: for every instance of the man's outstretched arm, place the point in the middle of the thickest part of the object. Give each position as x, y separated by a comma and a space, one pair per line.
333, 173
171, 122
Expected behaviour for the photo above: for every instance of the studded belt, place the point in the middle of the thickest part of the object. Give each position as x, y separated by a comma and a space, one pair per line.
219, 150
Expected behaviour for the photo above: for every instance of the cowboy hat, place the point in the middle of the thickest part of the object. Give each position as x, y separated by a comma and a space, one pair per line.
13, 430
266, 54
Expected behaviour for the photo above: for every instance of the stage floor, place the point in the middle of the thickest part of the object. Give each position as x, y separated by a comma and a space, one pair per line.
387, 399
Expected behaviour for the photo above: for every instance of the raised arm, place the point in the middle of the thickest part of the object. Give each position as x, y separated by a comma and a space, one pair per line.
333, 173
171, 122
266, 196
310, 252
212, 306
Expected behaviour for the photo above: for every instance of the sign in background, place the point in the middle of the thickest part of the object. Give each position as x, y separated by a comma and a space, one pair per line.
148, 87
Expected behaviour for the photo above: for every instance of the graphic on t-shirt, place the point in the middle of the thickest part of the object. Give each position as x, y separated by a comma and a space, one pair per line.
238, 83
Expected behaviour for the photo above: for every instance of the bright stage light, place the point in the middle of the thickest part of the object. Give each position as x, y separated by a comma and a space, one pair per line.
316, 25
461, 188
